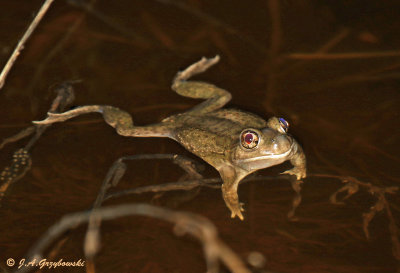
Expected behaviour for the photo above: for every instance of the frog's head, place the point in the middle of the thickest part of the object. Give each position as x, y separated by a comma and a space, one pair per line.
262, 148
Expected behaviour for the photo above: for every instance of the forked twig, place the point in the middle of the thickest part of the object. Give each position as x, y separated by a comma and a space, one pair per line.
352, 186
114, 175
21, 162
201, 228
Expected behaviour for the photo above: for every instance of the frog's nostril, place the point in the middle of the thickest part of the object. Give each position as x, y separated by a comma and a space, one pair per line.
282, 143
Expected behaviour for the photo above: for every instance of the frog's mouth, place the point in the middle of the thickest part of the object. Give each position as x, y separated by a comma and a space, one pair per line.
267, 156
266, 160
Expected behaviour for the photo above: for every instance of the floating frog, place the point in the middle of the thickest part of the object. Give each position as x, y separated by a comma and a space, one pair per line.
234, 142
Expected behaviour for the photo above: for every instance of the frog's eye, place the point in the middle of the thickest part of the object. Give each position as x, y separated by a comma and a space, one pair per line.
284, 124
249, 139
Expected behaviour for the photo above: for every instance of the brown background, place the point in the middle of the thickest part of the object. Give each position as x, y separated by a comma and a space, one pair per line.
345, 112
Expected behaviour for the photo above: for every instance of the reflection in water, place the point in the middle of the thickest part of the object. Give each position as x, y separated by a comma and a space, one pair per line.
280, 58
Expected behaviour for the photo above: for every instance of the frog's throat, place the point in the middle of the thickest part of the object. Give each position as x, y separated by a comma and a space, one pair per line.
284, 155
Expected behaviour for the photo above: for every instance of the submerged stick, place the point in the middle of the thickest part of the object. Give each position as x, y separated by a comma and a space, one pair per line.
274, 48
199, 227
342, 56
114, 175
21, 162
351, 186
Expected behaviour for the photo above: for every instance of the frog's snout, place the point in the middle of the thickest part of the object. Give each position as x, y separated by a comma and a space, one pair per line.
276, 143
281, 144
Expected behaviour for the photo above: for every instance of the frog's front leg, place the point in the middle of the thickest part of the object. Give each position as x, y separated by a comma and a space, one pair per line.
298, 160
117, 118
230, 184
216, 97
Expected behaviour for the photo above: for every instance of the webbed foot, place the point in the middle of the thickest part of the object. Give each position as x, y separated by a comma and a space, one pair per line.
237, 211
215, 96
299, 172
195, 68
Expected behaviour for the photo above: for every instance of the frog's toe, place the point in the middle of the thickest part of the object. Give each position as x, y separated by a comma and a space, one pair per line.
241, 206
195, 68
60, 117
237, 211
298, 172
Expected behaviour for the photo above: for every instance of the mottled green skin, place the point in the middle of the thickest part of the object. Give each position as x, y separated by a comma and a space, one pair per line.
213, 136
211, 133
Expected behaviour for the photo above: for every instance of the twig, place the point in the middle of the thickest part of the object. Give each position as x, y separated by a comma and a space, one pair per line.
188, 185
342, 56
201, 228
327, 85
21, 162
128, 32
22, 134
54, 50
214, 21
21, 43
173, 186
65, 96
114, 175
276, 29
327, 46
331, 43
274, 47
352, 185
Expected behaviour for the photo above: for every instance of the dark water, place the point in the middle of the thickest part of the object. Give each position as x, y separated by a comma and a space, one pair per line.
345, 112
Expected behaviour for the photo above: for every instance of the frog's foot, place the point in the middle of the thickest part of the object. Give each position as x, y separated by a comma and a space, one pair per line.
237, 211
215, 97
60, 117
195, 68
299, 172
232, 202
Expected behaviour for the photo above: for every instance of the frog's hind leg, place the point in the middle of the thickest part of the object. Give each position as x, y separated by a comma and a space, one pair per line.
216, 97
117, 118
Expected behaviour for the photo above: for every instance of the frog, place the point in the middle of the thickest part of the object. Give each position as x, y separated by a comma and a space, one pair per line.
236, 143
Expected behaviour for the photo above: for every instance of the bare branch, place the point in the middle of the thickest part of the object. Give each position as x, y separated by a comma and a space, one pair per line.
342, 56
23, 40
21, 162
352, 186
199, 227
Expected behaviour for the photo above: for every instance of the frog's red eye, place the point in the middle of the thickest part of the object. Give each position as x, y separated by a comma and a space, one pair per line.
284, 124
249, 139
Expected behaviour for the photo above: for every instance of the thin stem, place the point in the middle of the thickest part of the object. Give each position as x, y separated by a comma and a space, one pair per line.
23, 40
199, 227
342, 56
274, 48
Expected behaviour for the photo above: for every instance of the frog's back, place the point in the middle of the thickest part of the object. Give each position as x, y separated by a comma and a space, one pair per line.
244, 119
213, 133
